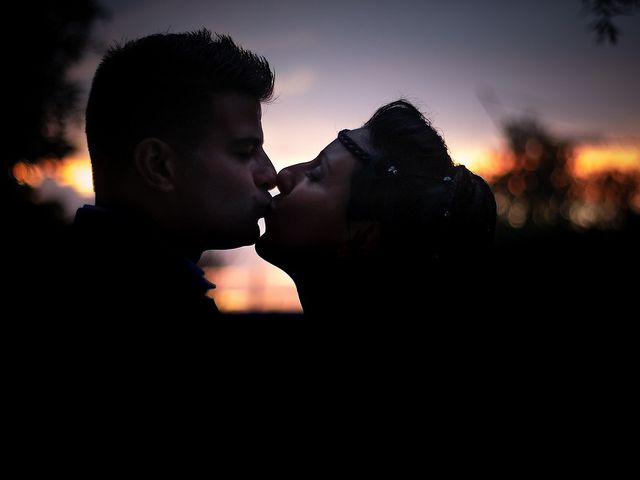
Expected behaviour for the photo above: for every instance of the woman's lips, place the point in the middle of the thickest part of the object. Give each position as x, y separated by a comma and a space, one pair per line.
272, 209
274, 202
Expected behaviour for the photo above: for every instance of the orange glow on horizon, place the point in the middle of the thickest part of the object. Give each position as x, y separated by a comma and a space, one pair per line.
28, 174
586, 161
488, 163
74, 172
589, 160
258, 288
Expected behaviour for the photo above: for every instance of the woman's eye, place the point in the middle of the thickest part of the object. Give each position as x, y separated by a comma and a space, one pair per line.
314, 174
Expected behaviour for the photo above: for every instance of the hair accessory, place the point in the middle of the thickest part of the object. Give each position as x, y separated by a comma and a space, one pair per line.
353, 147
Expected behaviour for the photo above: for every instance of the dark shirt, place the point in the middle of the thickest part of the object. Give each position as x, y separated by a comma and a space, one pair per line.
118, 268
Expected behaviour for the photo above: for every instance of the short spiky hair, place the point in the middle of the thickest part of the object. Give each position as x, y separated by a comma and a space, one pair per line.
159, 86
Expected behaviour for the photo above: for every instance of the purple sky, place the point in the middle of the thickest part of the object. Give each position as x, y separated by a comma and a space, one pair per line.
336, 62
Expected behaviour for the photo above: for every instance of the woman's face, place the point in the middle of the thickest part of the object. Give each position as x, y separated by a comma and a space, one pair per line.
309, 216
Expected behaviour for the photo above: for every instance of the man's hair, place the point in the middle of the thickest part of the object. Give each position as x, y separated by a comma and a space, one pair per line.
426, 205
160, 86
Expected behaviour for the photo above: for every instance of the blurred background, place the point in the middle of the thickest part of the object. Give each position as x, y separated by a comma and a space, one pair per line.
541, 98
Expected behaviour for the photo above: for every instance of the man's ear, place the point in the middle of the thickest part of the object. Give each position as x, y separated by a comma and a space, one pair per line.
155, 163
364, 238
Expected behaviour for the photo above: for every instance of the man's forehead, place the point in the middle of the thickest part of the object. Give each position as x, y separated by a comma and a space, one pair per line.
236, 106
237, 115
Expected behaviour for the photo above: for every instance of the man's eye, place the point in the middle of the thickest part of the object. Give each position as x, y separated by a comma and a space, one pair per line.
245, 152
314, 174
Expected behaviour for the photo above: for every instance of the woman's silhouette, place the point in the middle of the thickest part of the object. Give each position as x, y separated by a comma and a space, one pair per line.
382, 222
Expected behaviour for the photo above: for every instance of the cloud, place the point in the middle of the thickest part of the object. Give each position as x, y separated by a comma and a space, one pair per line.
295, 83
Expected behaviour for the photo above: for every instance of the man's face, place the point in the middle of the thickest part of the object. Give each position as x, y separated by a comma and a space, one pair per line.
223, 189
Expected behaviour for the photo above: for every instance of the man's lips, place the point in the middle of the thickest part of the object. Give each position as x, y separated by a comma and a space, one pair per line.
265, 207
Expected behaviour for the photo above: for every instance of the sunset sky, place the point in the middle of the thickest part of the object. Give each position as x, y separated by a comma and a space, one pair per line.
336, 62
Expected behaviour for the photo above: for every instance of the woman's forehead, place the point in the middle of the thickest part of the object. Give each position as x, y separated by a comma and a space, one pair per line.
340, 160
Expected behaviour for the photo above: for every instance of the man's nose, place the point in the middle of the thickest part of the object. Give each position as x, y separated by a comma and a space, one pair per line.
265, 176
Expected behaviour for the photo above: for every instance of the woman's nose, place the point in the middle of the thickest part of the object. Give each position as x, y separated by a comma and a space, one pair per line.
285, 180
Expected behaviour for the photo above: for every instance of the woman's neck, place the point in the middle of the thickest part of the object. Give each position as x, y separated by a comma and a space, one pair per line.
331, 289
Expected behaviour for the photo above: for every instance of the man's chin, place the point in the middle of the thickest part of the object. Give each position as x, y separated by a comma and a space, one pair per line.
244, 240
251, 238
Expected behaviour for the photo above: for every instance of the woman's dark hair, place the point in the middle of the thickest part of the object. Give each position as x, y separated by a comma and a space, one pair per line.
160, 86
425, 204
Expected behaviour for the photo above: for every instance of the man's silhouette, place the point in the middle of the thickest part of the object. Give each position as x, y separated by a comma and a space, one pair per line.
174, 132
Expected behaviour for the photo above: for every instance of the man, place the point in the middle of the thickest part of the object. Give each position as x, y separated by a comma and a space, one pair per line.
174, 132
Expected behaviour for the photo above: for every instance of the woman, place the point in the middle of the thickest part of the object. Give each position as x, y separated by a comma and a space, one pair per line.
381, 221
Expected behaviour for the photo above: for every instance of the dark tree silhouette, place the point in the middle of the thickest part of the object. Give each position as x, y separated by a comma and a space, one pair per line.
541, 191
38, 98
558, 233
42, 40
534, 191
603, 12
